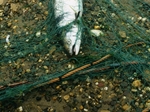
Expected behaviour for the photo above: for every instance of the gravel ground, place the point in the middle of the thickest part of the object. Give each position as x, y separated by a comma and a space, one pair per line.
100, 93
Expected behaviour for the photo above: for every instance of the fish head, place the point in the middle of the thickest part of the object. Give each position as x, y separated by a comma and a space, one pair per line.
72, 41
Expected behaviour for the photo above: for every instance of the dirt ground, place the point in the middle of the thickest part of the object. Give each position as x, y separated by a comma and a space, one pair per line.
123, 91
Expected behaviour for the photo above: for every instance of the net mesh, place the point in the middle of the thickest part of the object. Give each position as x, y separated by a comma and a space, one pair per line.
35, 56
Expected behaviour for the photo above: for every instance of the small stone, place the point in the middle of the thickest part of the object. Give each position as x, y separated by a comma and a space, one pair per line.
122, 34
40, 60
65, 82
136, 83
85, 110
28, 70
81, 90
14, 27
40, 4
124, 97
45, 67
146, 89
14, 7
46, 12
47, 71
38, 34
55, 98
96, 32
103, 80
58, 87
71, 94
66, 97
148, 49
81, 107
148, 104
134, 90
69, 66
97, 27
99, 96
9, 24
106, 88
1, 13
20, 109
144, 19
139, 18
96, 83
126, 107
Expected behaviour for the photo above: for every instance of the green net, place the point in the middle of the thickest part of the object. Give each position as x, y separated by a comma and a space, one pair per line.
35, 55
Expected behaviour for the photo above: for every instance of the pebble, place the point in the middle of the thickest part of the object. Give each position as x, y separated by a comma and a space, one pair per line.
55, 98
134, 90
96, 83
71, 94
106, 88
40, 60
148, 104
1, 13
20, 109
14, 7
144, 19
122, 34
147, 88
38, 34
81, 107
28, 70
14, 27
85, 110
148, 49
45, 67
136, 83
126, 107
81, 90
66, 97
58, 87
96, 32
46, 12
65, 82
96, 27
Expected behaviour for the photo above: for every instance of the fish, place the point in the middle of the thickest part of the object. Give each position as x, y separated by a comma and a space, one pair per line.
70, 11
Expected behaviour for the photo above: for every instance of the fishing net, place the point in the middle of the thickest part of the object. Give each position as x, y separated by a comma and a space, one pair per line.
115, 42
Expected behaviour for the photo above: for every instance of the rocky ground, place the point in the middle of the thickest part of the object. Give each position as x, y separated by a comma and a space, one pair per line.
121, 91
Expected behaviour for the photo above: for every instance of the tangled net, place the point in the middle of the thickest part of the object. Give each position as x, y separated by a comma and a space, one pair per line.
32, 60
